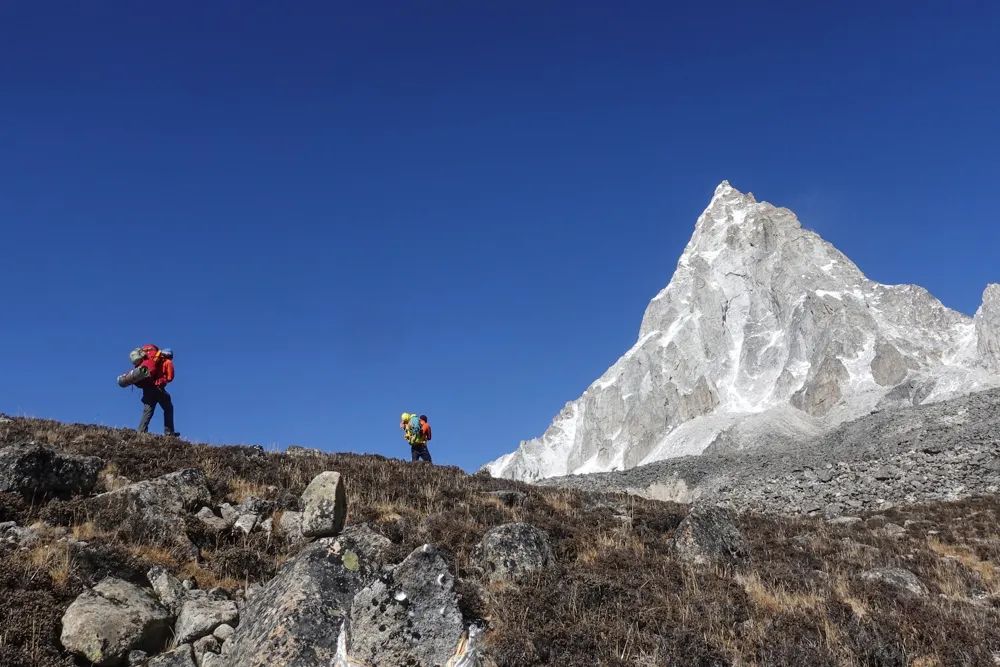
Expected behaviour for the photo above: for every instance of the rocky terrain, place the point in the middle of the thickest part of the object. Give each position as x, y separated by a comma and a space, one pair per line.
941, 451
125, 549
764, 332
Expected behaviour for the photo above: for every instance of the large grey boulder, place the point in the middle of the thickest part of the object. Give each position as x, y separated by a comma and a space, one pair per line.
710, 535
513, 550
154, 509
289, 525
409, 616
896, 578
32, 469
297, 618
324, 505
105, 623
181, 656
201, 615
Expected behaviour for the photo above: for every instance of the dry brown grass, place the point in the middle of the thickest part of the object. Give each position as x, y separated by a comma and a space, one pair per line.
617, 595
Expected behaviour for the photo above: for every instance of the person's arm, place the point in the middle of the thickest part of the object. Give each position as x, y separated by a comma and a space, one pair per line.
168, 371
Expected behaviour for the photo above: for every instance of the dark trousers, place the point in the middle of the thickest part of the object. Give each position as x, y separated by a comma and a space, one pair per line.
418, 452
151, 397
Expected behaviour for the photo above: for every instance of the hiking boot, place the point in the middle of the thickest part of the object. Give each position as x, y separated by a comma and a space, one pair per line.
172, 434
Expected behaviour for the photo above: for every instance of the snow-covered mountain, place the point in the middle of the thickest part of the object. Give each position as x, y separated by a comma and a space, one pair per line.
765, 333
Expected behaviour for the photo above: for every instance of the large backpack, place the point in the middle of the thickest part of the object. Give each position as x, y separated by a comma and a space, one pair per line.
414, 435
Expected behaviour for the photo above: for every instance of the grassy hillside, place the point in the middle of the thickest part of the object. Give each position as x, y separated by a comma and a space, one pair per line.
618, 595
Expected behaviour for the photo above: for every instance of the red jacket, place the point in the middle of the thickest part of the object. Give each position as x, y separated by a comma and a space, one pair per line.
161, 371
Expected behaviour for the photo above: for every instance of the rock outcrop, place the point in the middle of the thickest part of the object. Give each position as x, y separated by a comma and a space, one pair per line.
33, 470
709, 535
896, 578
513, 550
762, 317
297, 619
114, 618
409, 616
154, 509
988, 328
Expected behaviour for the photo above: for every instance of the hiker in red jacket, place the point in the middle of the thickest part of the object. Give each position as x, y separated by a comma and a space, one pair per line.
160, 365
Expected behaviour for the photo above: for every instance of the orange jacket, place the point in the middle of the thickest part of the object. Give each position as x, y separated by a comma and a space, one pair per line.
425, 429
166, 373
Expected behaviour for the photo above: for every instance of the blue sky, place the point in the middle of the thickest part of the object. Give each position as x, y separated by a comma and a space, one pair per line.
334, 213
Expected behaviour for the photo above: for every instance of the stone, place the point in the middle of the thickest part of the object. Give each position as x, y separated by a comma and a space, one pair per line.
181, 656
513, 550
710, 535
897, 578
246, 523
223, 632
229, 513
154, 509
324, 505
200, 616
290, 526
168, 590
409, 616
207, 644
105, 623
33, 470
296, 451
215, 660
137, 657
890, 530
214, 523
297, 617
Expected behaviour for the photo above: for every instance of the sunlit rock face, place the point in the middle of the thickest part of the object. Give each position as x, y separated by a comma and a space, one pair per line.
765, 332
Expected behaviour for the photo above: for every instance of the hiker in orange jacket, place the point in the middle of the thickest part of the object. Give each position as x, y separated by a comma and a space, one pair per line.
160, 365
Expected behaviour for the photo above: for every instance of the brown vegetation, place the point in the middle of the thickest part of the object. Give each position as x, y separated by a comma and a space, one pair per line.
617, 596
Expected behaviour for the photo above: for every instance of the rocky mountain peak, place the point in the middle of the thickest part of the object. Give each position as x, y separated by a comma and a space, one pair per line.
988, 327
765, 330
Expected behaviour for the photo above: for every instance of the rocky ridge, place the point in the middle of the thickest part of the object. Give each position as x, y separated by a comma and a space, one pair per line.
941, 451
765, 331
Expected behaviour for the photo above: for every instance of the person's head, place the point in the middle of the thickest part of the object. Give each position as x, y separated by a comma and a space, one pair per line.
423, 418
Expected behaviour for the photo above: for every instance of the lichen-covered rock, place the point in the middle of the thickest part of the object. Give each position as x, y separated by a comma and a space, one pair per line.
324, 505
201, 615
289, 524
181, 656
167, 587
215, 524
106, 623
32, 469
154, 509
409, 616
710, 535
897, 578
207, 644
296, 619
513, 550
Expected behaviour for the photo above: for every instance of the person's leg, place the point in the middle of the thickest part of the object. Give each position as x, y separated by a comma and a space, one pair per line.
168, 412
414, 453
148, 406
424, 453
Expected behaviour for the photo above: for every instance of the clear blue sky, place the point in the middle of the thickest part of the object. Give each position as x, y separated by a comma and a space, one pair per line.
334, 212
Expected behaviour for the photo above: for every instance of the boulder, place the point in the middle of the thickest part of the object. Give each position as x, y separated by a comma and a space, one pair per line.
214, 523
181, 656
154, 509
409, 616
246, 523
223, 632
513, 550
207, 644
709, 534
897, 578
324, 505
167, 587
201, 615
33, 470
297, 618
114, 618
